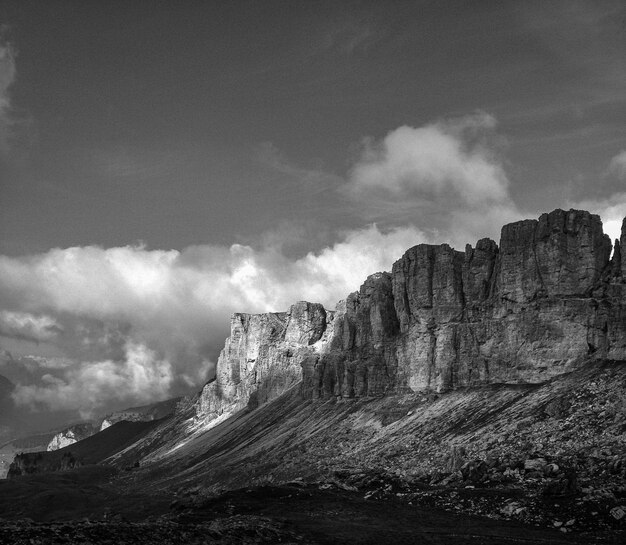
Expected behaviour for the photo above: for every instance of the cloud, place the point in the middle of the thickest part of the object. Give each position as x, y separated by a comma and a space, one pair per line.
141, 377
141, 324
7, 77
617, 165
446, 173
23, 325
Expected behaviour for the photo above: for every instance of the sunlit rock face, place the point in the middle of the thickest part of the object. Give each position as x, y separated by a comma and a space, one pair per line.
263, 357
545, 300
72, 435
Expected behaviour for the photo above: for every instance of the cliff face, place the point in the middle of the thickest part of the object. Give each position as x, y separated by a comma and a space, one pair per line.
545, 300
71, 435
359, 357
263, 357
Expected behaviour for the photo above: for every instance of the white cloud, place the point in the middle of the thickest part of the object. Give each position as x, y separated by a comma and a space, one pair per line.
23, 325
433, 160
446, 175
89, 386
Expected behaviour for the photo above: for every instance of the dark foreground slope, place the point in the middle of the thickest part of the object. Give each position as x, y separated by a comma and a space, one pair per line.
540, 454
92, 450
544, 464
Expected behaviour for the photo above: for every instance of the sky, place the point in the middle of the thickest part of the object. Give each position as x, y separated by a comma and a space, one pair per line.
165, 164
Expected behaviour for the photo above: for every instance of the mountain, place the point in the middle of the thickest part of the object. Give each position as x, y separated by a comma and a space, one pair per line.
485, 382
144, 413
542, 303
90, 450
71, 435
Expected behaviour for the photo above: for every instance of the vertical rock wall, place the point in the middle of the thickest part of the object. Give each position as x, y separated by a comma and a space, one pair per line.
541, 303
360, 357
522, 312
262, 357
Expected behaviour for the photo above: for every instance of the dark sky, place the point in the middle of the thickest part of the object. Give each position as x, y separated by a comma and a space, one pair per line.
163, 164
146, 120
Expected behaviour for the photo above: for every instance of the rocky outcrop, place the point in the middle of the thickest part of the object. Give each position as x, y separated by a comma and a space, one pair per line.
359, 359
71, 435
542, 302
562, 254
263, 357
145, 413
39, 462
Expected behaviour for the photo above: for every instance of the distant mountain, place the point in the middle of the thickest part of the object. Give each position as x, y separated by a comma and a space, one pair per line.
91, 450
72, 434
8, 450
144, 413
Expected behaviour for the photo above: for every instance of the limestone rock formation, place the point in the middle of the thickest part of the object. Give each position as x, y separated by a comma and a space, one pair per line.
359, 358
561, 254
544, 301
71, 435
262, 357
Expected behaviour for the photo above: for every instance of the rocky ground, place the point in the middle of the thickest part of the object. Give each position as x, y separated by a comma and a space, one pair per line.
533, 463
559, 463
296, 512
230, 530
551, 456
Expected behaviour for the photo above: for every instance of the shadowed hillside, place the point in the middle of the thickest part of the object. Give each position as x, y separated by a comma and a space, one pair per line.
92, 450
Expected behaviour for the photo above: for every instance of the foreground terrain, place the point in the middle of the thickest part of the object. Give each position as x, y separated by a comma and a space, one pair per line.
501, 463
86, 506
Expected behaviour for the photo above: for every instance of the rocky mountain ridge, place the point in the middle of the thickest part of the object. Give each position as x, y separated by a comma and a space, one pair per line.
487, 382
145, 413
547, 298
